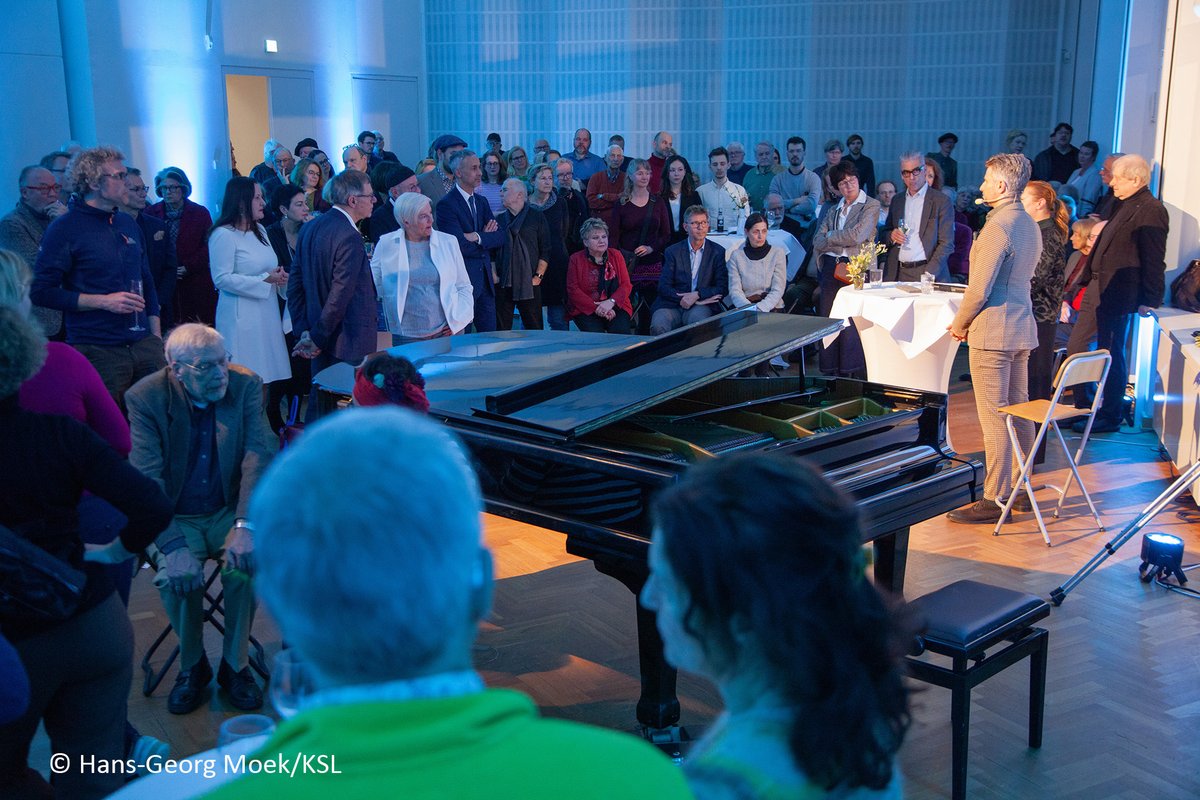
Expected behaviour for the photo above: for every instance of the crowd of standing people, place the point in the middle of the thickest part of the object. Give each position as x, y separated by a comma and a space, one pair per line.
175, 340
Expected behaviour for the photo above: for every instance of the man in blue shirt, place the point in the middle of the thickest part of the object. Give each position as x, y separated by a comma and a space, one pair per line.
586, 162
93, 268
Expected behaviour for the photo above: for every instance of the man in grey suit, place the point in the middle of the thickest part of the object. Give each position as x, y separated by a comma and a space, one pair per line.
996, 320
919, 230
331, 295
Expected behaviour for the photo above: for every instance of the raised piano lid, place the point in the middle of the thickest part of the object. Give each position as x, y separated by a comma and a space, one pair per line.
558, 385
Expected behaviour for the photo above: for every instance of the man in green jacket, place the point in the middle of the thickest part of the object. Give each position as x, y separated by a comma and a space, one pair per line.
377, 574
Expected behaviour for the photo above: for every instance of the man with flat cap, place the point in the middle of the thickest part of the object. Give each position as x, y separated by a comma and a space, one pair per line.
435, 183
392, 179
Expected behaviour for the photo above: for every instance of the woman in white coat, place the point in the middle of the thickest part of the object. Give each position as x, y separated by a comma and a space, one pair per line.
420, 276
247, 274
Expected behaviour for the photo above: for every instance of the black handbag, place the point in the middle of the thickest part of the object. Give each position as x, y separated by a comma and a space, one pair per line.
1185, 289
34, 585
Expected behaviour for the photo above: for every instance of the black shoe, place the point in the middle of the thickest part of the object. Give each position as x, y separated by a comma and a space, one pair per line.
1099, 426
243, 691
977, 513
188, 692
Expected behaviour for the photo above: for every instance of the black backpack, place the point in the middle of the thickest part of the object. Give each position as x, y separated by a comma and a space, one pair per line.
1185, 289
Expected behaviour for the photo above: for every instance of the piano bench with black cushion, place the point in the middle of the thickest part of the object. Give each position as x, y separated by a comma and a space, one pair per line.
962, 622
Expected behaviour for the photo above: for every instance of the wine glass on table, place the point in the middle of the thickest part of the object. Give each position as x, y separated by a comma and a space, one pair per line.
135, 287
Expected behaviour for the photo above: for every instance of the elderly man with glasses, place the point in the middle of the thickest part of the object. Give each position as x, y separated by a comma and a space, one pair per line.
92, 267
198, 430
919, 230
22, 229
331, 295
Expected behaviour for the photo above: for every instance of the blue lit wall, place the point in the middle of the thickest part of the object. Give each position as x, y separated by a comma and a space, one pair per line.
900, 73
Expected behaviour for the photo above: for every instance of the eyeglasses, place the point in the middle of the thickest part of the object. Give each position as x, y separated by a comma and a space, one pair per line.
206, 367
48, 188
172, 187
372, 196
117, 176
846, 184
139, 189
908, 173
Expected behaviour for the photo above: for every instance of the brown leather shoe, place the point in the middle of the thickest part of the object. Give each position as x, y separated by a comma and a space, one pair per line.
978, 513
1022, 504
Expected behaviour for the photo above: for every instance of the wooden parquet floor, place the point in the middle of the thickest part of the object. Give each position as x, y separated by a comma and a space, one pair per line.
1123, 695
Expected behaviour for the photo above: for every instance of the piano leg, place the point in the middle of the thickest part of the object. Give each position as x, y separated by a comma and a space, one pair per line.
658, 706
891, 558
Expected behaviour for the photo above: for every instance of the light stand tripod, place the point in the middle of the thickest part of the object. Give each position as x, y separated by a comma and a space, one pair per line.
1181, 485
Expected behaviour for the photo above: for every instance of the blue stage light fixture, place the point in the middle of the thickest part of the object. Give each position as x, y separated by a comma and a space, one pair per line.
1162, 555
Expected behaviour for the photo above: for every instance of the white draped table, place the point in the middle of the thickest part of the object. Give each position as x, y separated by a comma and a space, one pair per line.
903, 334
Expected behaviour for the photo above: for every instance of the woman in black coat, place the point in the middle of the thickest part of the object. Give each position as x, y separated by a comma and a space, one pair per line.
546, 199
79, 661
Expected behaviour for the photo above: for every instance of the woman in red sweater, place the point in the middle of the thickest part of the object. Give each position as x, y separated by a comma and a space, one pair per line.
598, 284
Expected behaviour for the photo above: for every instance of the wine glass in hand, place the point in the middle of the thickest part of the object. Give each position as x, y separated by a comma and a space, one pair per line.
291, 682
135, 287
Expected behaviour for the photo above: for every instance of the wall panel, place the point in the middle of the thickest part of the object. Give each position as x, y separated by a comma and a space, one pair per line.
899, 73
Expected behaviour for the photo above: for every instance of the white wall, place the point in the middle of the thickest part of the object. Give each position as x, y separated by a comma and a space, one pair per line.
144, 79
1180, 120
898, 72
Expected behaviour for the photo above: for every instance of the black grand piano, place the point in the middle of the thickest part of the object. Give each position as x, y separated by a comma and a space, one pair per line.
575, 432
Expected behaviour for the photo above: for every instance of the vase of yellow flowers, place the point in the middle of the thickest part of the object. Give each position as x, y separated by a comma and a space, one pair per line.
863, 261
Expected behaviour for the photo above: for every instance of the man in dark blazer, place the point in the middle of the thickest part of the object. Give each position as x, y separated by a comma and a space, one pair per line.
331, 295
1125, 273
468, 218
694, 277
160, 250
198, 430
926, 239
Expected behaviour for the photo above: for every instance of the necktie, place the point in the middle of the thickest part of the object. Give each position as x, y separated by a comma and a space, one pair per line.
471, 203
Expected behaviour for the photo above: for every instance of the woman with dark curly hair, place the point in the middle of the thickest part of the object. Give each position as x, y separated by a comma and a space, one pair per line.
385, 379
808, 662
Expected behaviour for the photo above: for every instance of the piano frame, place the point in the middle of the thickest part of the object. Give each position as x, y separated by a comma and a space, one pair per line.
553, 418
